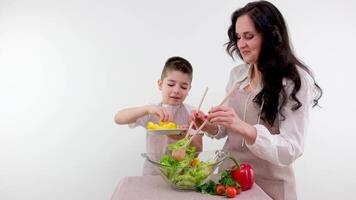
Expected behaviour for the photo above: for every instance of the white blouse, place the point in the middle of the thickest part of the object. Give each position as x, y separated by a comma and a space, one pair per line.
283, 148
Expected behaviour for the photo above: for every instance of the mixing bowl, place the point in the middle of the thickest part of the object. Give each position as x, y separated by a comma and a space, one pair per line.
194, 170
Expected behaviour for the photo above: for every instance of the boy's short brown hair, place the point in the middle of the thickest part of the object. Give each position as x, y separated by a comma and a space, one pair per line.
177, 63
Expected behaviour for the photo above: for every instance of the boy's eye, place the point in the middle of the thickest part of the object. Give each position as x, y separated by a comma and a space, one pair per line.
170, 84
184, 88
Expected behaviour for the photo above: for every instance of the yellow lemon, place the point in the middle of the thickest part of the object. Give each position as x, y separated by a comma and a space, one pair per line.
151, 125
170, 125
160, 123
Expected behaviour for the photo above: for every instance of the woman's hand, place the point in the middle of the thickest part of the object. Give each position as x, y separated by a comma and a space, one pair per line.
227, 117
163, 114
224, 116
198, 117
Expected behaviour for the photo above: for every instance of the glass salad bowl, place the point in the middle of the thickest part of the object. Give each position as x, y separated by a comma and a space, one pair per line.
194, 170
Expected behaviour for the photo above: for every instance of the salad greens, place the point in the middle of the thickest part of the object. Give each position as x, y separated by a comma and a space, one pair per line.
225, 182
187, 173
207, 188
179, 144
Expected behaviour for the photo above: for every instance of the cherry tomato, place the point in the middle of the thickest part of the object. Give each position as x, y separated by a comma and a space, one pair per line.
231, 192
220, 189
239, 190
195, 162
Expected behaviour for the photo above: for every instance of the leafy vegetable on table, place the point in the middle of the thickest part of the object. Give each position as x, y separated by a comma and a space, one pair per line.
227, 180
225, 186
232, 181
207, 188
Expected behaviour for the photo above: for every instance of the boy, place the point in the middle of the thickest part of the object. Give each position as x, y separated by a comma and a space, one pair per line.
175, 83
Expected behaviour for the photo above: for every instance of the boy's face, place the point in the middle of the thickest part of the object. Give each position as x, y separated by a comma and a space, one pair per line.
175, 87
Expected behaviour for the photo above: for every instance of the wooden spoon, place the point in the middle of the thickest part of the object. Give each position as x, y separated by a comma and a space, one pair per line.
199, 106
179, 154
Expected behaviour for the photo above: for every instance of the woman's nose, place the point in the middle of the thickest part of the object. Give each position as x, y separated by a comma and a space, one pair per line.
241, 43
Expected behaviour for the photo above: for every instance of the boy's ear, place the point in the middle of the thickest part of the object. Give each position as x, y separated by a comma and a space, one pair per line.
159, 84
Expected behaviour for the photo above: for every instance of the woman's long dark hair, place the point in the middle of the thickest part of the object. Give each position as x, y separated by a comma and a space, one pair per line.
276, 59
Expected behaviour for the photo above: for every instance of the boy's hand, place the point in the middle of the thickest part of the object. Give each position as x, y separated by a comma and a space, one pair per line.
163, 114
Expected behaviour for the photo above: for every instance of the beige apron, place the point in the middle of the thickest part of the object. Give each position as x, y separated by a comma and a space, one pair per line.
277, 181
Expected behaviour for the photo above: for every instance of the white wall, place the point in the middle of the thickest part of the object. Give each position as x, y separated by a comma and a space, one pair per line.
66, 67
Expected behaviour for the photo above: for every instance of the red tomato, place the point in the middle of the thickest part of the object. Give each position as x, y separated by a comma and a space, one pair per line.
231, 192
239, 190
220, 189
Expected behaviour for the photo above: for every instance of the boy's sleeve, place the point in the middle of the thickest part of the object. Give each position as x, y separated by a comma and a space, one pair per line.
142, 121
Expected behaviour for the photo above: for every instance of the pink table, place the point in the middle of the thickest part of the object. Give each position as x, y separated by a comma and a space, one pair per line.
154, 188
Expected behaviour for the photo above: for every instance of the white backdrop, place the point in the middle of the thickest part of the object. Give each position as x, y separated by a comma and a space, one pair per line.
66, 67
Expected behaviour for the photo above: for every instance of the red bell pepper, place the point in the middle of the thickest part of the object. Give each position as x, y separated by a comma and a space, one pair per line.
243, 174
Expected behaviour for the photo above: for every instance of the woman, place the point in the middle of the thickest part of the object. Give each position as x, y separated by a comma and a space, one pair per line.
266, 118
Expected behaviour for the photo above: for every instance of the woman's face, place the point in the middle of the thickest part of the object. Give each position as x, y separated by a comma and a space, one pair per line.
249, 41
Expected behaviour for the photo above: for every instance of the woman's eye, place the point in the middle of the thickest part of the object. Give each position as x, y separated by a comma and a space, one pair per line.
249, 37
